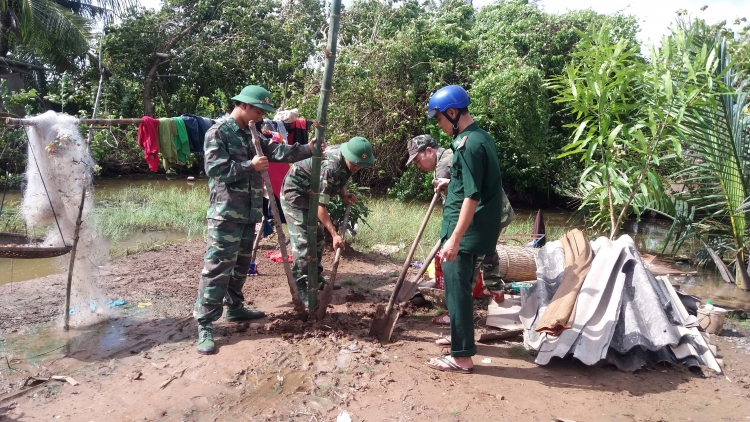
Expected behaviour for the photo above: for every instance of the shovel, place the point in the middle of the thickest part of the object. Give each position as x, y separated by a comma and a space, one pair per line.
408, 289
253, 265
386, 317
327, 295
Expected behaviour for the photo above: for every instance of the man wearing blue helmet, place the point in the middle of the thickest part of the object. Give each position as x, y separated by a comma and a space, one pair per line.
471, 218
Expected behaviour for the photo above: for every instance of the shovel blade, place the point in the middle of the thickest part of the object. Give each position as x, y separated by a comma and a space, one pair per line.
384, 322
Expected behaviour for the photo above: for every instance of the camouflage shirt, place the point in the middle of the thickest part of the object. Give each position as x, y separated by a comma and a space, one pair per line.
236, 189
334, 174
443, 171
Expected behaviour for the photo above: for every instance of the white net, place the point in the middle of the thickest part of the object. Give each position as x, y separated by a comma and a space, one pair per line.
59, 168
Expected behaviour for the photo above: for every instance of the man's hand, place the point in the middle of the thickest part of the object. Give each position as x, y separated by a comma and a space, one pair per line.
338, 242
441, 185
450, 250
349, 198
312, 145
260, 163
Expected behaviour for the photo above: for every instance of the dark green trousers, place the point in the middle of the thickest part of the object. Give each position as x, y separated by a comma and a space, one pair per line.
458, 276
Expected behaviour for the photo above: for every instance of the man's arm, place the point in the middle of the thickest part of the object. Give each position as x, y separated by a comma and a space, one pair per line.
325, 220
450, 247
218, 163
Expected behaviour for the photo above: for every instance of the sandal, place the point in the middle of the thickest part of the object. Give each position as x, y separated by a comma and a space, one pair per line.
444, 319
444, 341
450, 366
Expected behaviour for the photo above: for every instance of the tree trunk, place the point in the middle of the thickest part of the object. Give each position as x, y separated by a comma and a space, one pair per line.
161, 58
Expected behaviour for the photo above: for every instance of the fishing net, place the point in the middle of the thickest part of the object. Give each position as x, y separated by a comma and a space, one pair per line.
59, 168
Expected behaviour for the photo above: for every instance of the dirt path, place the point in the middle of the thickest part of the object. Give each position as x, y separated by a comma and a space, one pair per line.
283, 369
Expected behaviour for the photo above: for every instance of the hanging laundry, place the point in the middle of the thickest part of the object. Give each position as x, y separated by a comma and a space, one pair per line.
167, 132
196, 128
181, 141
301, 128
148, 139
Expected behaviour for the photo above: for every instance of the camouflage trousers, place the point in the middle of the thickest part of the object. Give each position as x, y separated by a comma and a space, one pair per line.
226, 263
489, 265
296, 219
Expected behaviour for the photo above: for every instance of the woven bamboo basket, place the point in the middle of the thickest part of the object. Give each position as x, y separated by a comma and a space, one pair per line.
517, 263
15, 245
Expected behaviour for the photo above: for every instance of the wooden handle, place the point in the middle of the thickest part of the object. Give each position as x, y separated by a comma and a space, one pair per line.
342, 233
298, 305
407, 262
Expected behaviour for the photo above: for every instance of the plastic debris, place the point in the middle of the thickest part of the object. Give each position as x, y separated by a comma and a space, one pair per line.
416, 264
144, 304
344, 417
486, 360
118, 302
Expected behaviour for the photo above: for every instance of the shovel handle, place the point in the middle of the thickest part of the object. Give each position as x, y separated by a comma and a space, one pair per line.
342, 231
405, 268
298, 305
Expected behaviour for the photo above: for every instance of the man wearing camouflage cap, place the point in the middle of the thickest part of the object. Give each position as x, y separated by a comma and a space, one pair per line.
339, 164
428, 156
236, 197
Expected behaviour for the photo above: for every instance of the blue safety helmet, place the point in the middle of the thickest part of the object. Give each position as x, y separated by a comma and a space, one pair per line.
451, 96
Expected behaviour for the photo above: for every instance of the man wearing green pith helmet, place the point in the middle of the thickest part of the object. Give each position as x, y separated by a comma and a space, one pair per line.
338, 165
235, 201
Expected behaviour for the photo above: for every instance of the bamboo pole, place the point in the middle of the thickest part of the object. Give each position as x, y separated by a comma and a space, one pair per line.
66, 325
12, 121
322, 116
298, 305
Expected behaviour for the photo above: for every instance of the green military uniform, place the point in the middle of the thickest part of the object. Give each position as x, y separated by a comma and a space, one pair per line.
236, 199
475, 173
490, 264
295, 199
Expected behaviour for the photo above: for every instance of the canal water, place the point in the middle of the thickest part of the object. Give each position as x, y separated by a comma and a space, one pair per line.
648, 234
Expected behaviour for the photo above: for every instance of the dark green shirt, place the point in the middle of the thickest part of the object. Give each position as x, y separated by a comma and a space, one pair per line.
475, 174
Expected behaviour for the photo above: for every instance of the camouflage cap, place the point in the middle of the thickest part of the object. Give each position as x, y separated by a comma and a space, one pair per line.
418, 144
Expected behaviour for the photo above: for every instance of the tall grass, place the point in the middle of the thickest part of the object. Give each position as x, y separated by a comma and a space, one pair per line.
147, 208
395, 224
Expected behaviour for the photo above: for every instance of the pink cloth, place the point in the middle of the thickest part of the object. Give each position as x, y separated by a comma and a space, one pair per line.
148, 139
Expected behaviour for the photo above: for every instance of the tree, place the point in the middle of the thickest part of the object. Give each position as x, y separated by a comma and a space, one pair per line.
628, 118
57, 32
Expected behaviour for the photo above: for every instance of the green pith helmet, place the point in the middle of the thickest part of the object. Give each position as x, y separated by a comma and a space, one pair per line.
256, 96
358, 151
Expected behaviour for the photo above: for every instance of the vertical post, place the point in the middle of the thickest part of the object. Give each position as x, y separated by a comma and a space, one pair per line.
66, 325
325, 94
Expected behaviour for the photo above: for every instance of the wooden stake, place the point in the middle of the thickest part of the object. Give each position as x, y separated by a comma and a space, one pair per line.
298, 305
66, 325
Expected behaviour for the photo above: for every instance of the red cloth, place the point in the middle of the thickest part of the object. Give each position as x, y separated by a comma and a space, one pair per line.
148, 139
275, 256
277, 172
299, 124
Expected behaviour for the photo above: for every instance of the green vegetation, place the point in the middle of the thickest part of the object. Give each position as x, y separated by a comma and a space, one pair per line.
137, 209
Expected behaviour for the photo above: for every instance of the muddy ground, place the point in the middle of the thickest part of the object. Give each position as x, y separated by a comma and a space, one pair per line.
142, 364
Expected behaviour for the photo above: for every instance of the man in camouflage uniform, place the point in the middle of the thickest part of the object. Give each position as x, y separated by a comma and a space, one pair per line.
339, 163
428, 156
236, 198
